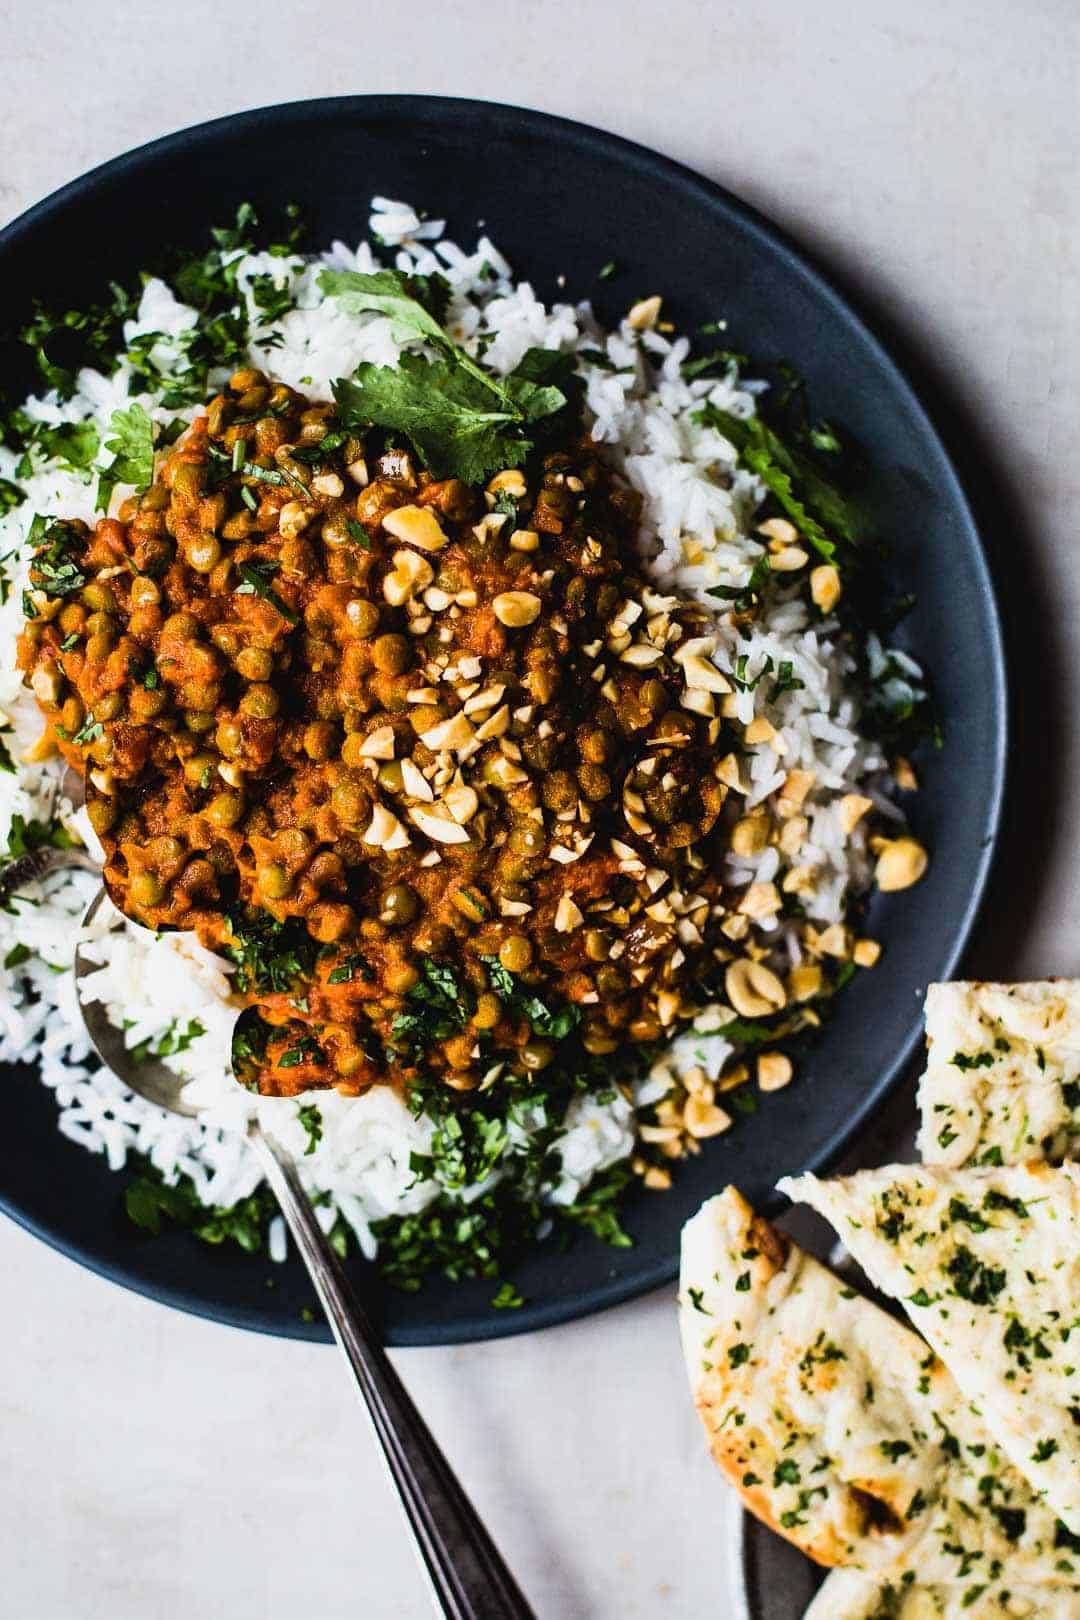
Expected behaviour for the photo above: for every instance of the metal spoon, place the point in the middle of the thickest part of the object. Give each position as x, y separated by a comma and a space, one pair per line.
468, 1577
38, 863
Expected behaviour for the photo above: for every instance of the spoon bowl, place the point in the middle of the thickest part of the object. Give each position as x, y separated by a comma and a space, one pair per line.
148, 1076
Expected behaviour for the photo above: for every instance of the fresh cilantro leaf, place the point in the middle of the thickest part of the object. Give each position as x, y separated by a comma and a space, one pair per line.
818, 510
415, 304
595, 1210
25, 836
438, 1008
256, 578
551, 1023
306, 1050
132, 449
89, 731
149, 1202
56, 544
73, 444
269, 955
311, 1119
17, 955
455, 423
175, 1039
11, 496
462, 419
502, 979
716, 360
507, 1298
742, 597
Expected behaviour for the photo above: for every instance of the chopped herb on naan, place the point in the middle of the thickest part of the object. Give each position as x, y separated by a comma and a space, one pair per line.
987, 1265
1002, 1082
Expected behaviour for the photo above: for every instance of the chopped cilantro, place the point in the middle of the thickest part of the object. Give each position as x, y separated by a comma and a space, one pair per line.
257, 581
964, 1060
311, 1119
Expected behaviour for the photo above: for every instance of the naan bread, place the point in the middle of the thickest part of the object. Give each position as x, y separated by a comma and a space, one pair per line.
987, 1265
836, 1424
847, 1595
1002, 1082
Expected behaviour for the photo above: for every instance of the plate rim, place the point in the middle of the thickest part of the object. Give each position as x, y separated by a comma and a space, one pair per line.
852, 311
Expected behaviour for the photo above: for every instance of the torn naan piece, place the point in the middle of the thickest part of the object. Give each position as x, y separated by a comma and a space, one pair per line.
849, 1595
839, 1428
987, 1265
1002, 1081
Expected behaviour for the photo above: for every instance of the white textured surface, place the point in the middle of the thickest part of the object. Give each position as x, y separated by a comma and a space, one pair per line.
162, 1466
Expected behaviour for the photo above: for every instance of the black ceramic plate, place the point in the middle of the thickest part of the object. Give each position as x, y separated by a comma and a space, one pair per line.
780, 1580
561, 200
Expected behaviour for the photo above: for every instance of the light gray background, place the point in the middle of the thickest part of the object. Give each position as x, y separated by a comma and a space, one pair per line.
158, 1466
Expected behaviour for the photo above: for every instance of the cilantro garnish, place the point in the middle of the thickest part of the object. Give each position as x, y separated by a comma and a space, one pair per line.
269, 955
256, 578
89, 731
553, 1024
972, 1279
353, 967
311, 1119
439, 1008
150, 1202
742, 597
132, 449
53, 569
174, 1040
73, 444
306, 1050
821, 514
463, 421
25, 836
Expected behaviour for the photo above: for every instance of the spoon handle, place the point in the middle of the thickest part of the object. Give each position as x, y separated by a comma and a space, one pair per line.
468, 1576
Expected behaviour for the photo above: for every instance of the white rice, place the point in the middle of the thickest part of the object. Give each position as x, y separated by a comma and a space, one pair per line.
697, 532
